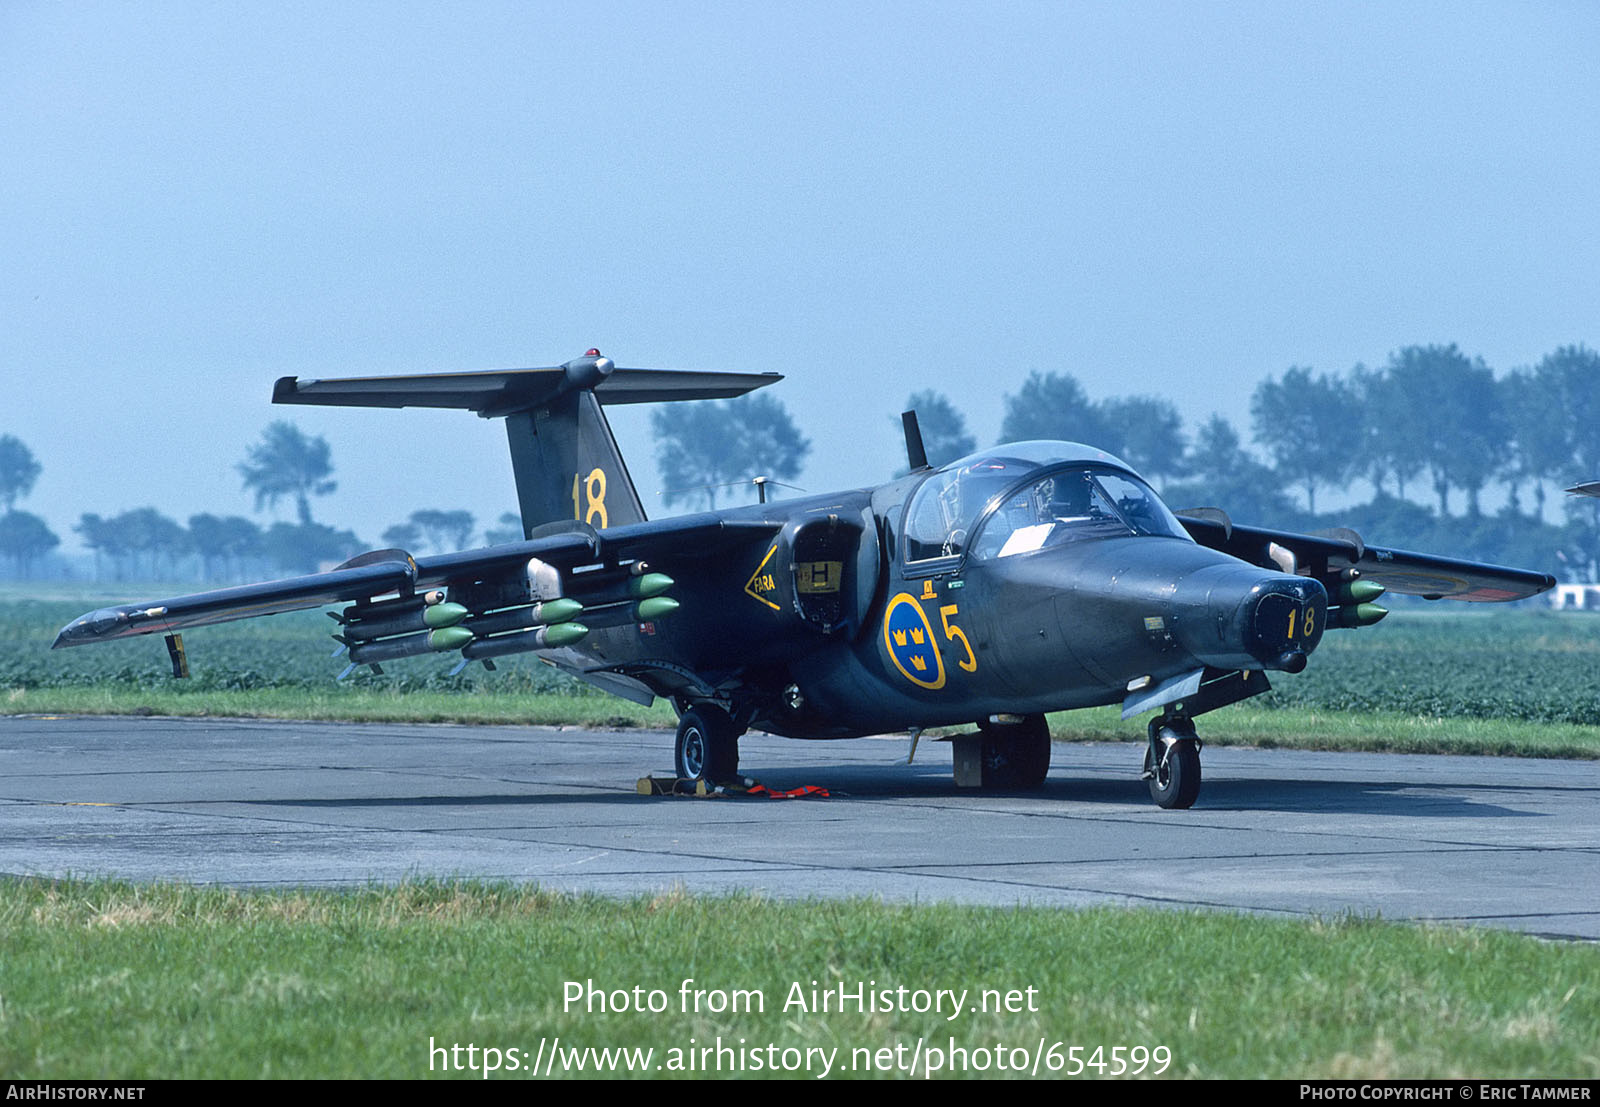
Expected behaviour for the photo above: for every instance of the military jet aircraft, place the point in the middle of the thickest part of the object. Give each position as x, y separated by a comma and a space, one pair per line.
1031, 577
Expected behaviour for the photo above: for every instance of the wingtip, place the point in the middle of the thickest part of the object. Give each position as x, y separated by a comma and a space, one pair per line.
75, 633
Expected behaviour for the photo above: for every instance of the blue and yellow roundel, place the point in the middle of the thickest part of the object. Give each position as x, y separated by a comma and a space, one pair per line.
908, 636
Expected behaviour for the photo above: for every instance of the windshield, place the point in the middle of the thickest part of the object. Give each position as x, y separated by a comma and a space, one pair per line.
1030, 484
1073, 505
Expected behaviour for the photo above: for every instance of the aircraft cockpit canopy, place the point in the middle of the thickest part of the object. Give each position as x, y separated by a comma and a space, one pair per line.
1034, 495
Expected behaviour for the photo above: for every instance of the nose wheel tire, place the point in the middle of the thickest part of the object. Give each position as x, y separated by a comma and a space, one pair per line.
707, 746
1172, 765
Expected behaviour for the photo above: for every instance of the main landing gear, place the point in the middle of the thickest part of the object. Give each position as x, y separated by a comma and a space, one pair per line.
1172, 761
1015, 756
707, 746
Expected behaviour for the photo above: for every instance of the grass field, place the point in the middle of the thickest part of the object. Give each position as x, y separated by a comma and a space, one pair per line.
108, 980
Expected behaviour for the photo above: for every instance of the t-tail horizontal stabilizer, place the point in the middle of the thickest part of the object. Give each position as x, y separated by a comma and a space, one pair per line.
563, 455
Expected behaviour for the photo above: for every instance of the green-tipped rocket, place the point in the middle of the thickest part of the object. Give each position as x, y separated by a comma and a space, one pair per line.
443, 615
549, 612
562, 634
603, 593
1356, 615
410, 645
543, 638
386, 625
656, 607
649, 584
1356, 591
558, 611
449, 638
621, 614
1349, 604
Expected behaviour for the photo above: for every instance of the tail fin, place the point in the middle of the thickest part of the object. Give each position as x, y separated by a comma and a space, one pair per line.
563, 455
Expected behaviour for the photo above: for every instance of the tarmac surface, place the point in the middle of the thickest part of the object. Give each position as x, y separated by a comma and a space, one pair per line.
1508, 843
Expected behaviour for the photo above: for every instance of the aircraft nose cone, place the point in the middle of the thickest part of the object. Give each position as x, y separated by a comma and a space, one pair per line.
1282, 621
1240, 617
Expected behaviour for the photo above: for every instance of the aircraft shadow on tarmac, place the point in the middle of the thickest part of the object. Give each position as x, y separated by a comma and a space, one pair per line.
500, 799
855, 783
1288, 794
1353, 797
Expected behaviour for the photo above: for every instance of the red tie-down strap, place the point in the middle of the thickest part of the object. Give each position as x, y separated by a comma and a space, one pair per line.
793, 793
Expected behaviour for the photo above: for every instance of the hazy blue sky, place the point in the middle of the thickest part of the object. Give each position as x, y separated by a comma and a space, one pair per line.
1166, 198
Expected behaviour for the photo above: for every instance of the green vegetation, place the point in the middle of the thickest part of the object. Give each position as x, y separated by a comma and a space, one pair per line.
112, 980
279, 667
1353, 732
1425, 681
1509, 683
1541, 666
291, 651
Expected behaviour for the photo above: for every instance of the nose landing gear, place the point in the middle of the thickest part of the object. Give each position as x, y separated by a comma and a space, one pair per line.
1172, 762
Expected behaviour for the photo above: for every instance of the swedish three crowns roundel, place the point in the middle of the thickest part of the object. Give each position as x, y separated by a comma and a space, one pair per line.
908, 636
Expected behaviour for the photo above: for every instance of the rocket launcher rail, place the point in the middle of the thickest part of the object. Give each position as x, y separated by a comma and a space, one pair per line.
361, 628
548, 613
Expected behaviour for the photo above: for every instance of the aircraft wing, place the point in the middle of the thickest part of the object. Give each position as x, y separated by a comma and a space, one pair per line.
386, 572
1330, 553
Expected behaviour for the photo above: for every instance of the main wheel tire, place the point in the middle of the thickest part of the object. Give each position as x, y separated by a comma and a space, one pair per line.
1175, 778
1016, 755
707, 746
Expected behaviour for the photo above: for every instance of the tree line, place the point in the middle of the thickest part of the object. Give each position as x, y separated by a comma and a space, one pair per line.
285, 464
1431, 420
1425, 437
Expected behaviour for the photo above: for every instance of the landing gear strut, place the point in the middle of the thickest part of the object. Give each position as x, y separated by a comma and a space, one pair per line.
707, 746
1172, 762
